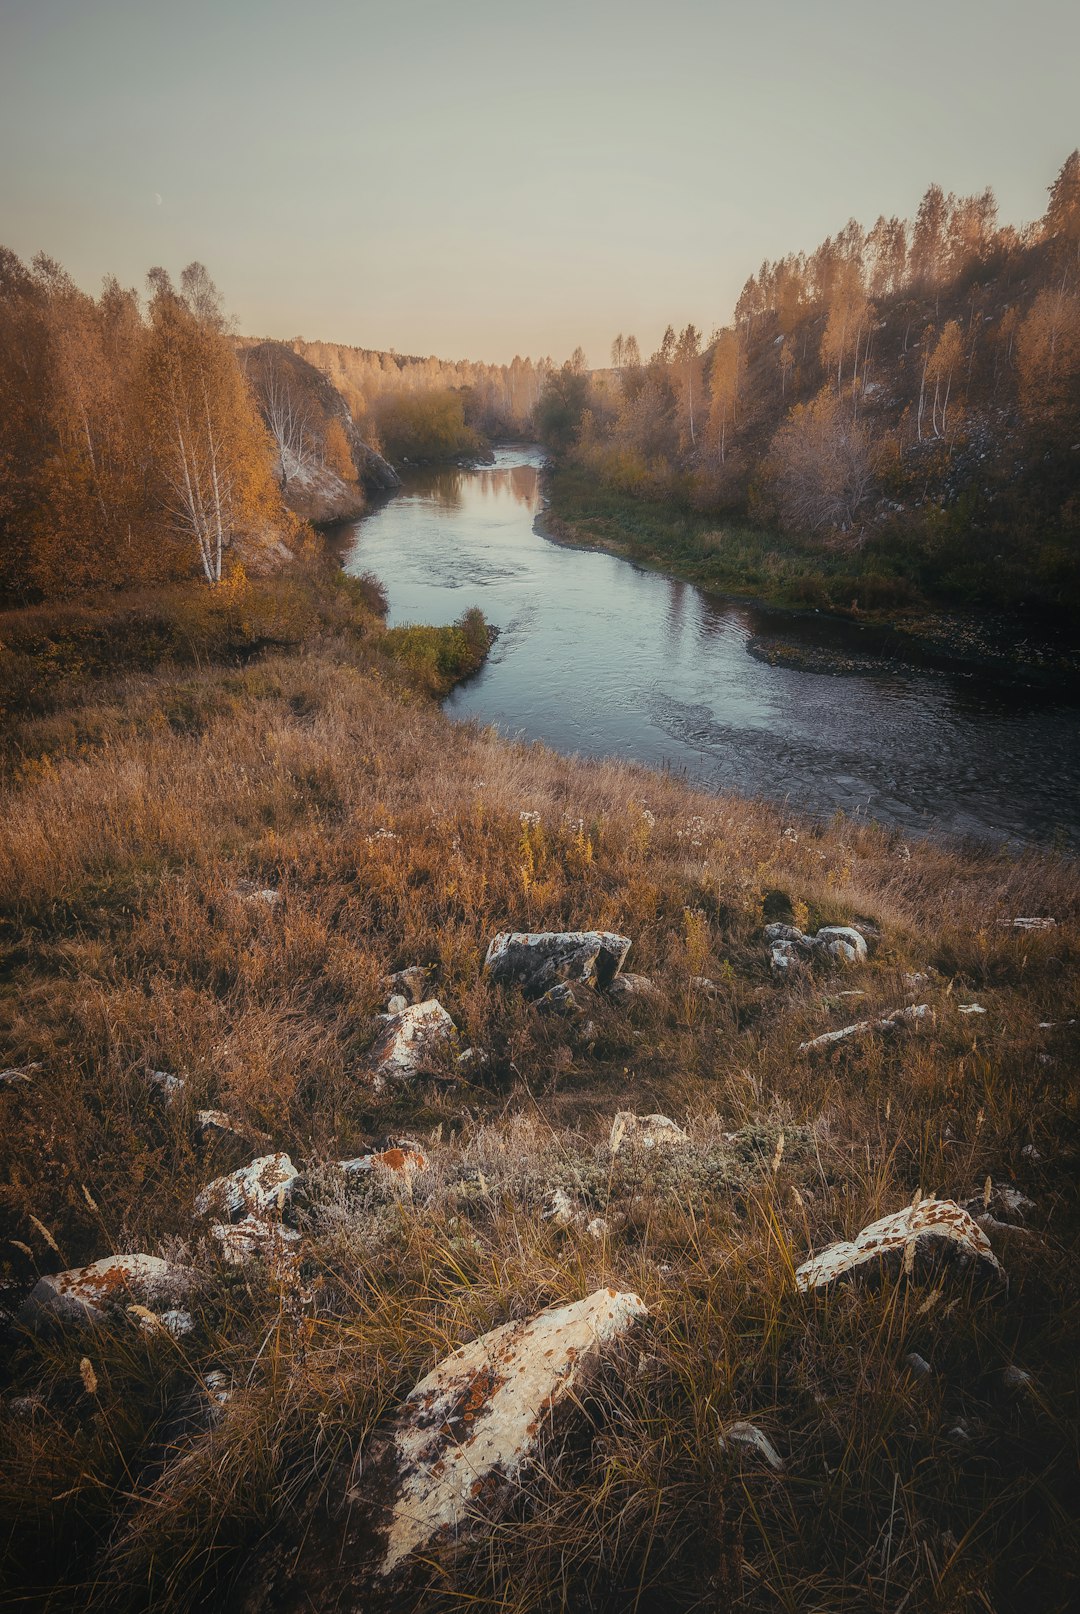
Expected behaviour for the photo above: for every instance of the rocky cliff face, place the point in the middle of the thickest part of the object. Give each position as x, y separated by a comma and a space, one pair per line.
325, 468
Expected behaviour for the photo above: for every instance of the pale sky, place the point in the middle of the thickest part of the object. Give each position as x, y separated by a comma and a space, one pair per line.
487, 178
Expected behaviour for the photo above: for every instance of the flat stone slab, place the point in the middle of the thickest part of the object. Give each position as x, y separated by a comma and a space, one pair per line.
87, 1294
919, 1235
471, 1424
536, 961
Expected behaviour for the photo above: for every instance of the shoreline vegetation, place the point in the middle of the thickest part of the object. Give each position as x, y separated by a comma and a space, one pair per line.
786, 576
214, 863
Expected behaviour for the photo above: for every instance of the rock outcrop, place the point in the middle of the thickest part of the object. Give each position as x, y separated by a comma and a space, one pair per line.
538, 961
911, 1015
258, 1189
923, 1235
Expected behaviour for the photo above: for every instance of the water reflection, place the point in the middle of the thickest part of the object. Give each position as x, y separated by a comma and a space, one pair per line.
599, 657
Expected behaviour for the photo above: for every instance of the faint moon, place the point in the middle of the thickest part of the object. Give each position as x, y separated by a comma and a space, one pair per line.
157, 198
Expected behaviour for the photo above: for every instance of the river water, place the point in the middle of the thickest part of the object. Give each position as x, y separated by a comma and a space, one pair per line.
599, 657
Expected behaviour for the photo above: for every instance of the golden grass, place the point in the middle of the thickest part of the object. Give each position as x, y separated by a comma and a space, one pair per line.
130, 829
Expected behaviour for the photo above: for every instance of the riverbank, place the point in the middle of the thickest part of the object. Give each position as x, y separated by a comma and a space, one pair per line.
211, 871
872, 590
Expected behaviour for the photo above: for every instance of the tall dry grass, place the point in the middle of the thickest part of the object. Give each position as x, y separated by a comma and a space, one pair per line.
132, 831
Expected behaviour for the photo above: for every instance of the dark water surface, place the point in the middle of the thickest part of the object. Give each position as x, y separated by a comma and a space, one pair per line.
598, 657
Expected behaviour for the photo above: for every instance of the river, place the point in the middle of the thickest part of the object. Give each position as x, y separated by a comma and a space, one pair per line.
599, 657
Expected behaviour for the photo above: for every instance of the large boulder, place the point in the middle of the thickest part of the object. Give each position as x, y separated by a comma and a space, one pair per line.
88, 1294
469, 1427
538, 961
410, 1040
921, 1236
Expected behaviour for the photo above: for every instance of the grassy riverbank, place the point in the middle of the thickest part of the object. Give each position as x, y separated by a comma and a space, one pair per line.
146, 813
940, 603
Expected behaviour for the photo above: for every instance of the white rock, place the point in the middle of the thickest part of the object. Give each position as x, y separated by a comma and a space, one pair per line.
970, 1008
707, 988
748, 1434
177, 1323
255, 1237
410, 1039
16, 1075
1032, 924
910, 1015
644, 1131
472, 1059
538, 960
597, 1228
932, 1227
168, 1085
560, 1209
86, 1294
788, 944
256, 1189
474, 1420
397, 1004
635, 986
210, 1122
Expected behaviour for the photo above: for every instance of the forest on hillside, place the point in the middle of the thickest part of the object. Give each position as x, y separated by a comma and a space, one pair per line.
916, 380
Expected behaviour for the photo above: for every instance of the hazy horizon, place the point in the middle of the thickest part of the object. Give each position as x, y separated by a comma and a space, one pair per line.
499, 181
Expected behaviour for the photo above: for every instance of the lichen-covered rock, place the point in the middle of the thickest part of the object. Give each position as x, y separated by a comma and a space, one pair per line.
400, 1160
87, 1294
255, 1237
255, 1190
920, 1235
910, 1015
537, 961
169, 1086
644, 1132
470, 1425
560, 1000
410, 1040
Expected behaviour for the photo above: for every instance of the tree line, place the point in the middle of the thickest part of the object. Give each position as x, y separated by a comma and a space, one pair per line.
862, 370
132, 449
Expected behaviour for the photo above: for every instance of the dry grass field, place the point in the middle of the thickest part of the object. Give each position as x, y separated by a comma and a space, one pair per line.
927, 1429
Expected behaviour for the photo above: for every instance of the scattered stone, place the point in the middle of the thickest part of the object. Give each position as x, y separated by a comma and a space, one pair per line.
256, 1189
702, 984
787, 945
999, 1197
748, 1434
409, 1040
892, 1022
472, 1059
177, 1323
634, 986
561, 1209
255, 1237
970, 1008
918, 1365
597, 1229
644, 1131
86, 1294
560, 1000
218, 1388
16, 1075
471, 1424
913, 982
403, 1160
410, 983
397, 1004
215, 1123
1031, 924
169, 1086
915, 1236
1015, 1378
537, 961
1029, 1152
267, 896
